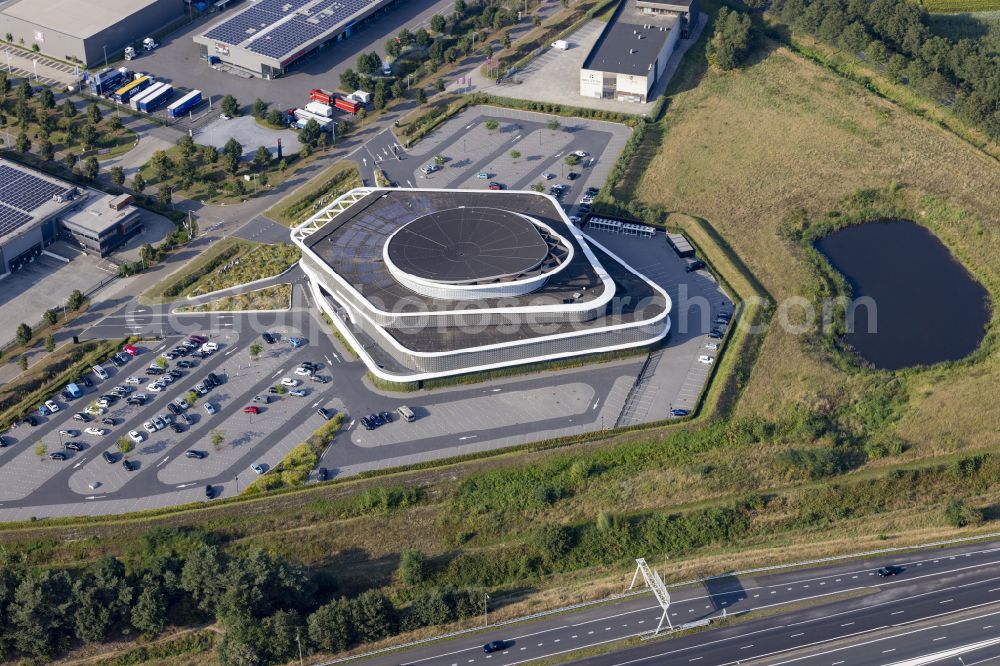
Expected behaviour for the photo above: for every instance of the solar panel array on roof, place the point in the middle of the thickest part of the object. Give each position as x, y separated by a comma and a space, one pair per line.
11, 219
306, 26
24, 191
253, 19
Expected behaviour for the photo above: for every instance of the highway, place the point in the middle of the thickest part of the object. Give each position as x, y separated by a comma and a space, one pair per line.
845, 600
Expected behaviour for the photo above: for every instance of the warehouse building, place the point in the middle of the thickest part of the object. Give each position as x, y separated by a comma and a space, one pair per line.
90, 31
631, 53
36, 210
265, 37
427, 283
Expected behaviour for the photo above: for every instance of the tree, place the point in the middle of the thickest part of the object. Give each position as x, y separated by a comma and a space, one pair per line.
40, 449
255, 350
91, 167
349, 80
187, 147
161, 164
538, 187
877, 52
233, 148
191, 397
117, 175
164, 196
437, 23
125, 444
439, 84
22, 362
40, 611
23, 143
217, 438
413, 567
439, 160
70, 159
374, 616
259, 108
101, 599
24, 333
231, 163
76, 300
309, 134
276, 118
959, 514
422, 38
731, 40
571, 160
369, 64
25, 91
50, 343
68, 109
230, 106
150, 609
45, 150
491, 125
552, 125
203, 577
161, 363
393, 48
506, 40
46, 99
138, 183
51, 316
330, 626
262, 158
89, 136
421, 96
94, 113
514, 154
459, 7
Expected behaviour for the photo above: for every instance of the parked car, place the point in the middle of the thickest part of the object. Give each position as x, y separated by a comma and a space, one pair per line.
257, 468
495, 185
129, 465
133, 380
149, 427
79, 416
707, 360
53, 407
210, 408
32, 421
325, 413
251, 409
197, 455
303, 371
289, 382
298, 393
679, 412
296, 342
135, 436
321, 474
69, 433
695, 265
209, 492
482, 175
188, 418
57, 455
97, 432
268, 338
73, 446
108, 457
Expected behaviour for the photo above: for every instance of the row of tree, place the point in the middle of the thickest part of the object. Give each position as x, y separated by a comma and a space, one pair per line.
897, 35
272, 610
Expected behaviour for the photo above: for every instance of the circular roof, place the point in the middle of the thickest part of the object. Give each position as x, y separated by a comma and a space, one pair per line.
469, 244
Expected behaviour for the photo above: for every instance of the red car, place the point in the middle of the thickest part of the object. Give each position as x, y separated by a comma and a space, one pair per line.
496, 186
197, 338
251, 409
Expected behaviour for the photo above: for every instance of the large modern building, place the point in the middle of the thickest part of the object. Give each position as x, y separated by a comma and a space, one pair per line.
632, 51
428, 283
36, 210
90, 31
265, 37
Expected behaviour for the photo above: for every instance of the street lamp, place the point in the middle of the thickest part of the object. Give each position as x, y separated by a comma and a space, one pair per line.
486, 616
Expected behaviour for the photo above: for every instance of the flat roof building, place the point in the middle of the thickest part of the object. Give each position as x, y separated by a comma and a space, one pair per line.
428, 283
631, 52
265, 37
85, 30
36, 210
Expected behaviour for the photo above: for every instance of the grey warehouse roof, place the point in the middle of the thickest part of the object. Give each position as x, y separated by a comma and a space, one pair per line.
631, 43
77, 18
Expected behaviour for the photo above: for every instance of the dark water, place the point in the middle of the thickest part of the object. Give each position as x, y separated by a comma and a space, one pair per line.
928, 307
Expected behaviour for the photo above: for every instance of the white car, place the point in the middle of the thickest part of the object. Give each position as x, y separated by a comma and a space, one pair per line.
224, 116
182, 403
303, 371
133, 381
548, 176
429, 169
289, 382
135, 436
103, 402
210, 347
100, 432
298, 393
707, 360
69, 433
210, 408
149, 427
580, 153
53, 407
166, 379
155, 387
94, 410
711, 345
257, 468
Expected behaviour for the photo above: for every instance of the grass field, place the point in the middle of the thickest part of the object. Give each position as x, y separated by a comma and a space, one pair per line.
276, 297
954, 6
744, 150
305, 201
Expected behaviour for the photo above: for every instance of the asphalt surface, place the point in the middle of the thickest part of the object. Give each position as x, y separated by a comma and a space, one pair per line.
933, 585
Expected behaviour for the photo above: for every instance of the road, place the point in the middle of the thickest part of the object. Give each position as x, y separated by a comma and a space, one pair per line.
934, 584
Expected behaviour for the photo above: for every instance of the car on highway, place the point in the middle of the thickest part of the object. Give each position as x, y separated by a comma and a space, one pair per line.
73, 446
890, 570
69, 432
257, 468
210, 408
251, 409
129, 465
57, 455
98, 432
108, 457
298, 393
197, 455
135, 436
494, 646
53, 407
289, 382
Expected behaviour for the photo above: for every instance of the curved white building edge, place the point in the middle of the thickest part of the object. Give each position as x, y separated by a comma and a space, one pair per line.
634, 334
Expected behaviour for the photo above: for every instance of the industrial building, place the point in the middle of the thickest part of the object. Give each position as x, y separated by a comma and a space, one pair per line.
632, 51
36, 210
428, 283
265, 37
89, 31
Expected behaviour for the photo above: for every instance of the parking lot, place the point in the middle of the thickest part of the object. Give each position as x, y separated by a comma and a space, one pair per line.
470, 148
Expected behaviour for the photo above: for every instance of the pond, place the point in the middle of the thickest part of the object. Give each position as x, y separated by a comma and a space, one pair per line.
927, 308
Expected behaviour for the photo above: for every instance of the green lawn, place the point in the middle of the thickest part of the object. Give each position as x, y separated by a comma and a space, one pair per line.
320, 190
954, 6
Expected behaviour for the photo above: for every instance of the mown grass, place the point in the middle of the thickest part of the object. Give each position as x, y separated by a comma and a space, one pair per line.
955, 6
745, 150
276, 297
